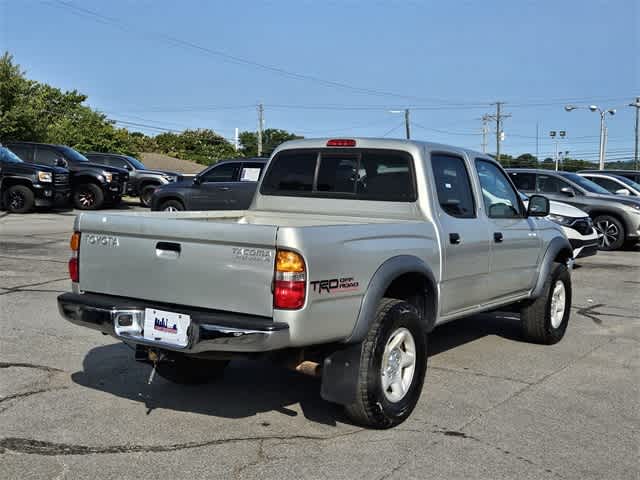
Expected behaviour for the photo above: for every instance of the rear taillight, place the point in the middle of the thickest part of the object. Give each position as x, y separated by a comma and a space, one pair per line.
290, 282
74, 261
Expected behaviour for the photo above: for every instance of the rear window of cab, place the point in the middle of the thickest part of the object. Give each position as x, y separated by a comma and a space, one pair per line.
383, 175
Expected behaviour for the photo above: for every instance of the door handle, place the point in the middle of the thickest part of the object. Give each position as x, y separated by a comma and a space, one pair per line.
497, 236
224, 189
454, 238
168, 249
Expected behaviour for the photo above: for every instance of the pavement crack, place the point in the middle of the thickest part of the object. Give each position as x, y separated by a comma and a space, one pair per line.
481, 374
38, 447
35, 284
29, 365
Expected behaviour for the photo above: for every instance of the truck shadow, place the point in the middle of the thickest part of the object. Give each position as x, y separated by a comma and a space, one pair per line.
252, 387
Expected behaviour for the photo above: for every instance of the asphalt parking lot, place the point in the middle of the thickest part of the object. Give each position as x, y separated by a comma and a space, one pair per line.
74, 404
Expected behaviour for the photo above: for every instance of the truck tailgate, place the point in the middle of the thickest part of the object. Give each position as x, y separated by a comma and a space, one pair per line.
218, 265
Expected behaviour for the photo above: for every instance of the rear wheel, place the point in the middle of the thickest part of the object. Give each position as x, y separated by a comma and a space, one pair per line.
392, 366
88, 196
611, 232
171, 206
146, 193
19, 199
190, 371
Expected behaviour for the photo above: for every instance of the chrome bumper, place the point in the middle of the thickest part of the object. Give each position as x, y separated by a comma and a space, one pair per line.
210, 331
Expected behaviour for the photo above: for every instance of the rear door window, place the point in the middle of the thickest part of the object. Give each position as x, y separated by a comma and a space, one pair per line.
453, 185
251, 172
25, 152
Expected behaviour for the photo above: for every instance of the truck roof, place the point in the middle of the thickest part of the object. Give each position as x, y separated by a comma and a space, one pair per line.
372, 142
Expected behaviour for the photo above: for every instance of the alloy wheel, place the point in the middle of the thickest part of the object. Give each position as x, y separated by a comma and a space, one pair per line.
398, 365
16, 200
609, 232
558, 303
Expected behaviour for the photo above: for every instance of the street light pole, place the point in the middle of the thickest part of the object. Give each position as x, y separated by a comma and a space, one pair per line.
603, 128
407, 121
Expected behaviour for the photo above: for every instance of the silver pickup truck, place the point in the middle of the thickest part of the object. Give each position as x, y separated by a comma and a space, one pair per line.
352, 251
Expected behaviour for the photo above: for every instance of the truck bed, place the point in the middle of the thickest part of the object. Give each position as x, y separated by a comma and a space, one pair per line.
222, 260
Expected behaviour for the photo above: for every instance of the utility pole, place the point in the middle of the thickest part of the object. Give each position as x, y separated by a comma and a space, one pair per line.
407, 123
537, 141
636, 160
260, 127
498, 119
236, 139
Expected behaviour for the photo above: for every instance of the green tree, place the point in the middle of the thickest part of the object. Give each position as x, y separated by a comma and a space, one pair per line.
271, 138
202, 145
526, 160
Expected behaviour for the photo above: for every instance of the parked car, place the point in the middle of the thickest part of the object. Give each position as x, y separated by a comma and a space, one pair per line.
352, 251
24, 186
615, 217
227, 185
93, 186
142, 181
577, 226
614, 184
630, 174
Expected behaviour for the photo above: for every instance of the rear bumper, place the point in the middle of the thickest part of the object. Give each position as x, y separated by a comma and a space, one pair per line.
210, 330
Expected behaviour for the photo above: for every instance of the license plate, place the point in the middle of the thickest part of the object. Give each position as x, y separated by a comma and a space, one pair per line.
168, 327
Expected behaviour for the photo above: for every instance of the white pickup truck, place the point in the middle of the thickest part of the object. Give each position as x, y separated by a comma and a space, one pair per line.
352, 251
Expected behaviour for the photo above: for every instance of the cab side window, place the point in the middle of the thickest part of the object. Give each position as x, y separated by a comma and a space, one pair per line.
550, 184
114, 162
500, 198
47, 156
227, 172
25, 152
453, 185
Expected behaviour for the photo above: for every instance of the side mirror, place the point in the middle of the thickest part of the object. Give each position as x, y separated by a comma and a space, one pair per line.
623, 191
61, 162
128, 167
568, 191
538, 206
197, 180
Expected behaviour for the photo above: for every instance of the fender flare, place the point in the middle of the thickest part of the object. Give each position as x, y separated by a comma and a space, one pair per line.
559, 246
380, 281
89, 174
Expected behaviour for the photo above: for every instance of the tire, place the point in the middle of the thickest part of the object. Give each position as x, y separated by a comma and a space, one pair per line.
19, 199
88, 196
612, 230
146, 193
190, 371
377, 406
171, 206
541, 321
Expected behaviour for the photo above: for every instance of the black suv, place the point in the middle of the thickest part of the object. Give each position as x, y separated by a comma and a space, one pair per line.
93, 186
24, 186
227, 185
615, 217
142, 181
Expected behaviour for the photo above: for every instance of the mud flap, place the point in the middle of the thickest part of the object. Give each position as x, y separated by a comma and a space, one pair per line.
340, 375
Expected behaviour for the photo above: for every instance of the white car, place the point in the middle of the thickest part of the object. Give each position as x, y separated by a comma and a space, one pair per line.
577, 226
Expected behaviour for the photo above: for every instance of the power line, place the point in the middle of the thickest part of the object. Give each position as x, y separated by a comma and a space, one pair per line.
232, 58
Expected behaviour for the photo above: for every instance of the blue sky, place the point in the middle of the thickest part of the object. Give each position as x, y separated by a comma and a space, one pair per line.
183, 64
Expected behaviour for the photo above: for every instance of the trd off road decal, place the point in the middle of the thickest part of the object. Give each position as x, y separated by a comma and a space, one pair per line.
334, 285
